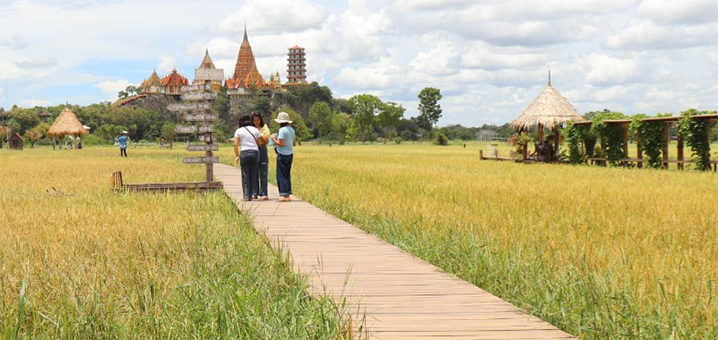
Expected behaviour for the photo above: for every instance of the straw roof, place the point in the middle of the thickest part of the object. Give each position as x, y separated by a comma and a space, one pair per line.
548, 109
66, 124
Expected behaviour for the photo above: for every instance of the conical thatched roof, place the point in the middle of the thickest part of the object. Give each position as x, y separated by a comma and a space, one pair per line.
548, 109
66, 124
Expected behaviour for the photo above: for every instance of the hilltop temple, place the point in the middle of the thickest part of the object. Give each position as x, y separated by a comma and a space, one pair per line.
245, 81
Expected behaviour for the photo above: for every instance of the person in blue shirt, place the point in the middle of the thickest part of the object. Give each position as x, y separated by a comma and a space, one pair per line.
285, 141
122, 141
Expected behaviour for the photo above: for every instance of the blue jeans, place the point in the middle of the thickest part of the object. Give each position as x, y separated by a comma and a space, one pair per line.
284, 168
248, 160
263, 169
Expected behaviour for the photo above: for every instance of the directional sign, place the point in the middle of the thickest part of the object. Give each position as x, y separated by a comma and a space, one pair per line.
202, 147
196, 88
200, 160
186, 129
199, 96
205, 138
189, 107
208, 128
201, 118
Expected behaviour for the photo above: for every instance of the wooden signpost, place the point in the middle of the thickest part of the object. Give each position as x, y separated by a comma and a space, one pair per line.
199, 110
196, 107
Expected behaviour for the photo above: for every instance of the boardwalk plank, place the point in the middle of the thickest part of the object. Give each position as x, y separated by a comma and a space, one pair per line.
396, 295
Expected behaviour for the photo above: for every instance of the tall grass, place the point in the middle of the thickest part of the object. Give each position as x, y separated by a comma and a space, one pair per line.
603, 253
81, 262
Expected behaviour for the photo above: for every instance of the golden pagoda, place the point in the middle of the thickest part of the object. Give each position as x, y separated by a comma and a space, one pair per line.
245, 71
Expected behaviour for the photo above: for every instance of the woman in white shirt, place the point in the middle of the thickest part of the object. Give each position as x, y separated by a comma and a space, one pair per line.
248, 158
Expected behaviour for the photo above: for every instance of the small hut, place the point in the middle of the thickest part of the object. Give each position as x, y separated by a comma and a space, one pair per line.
15, 142
549, 110
66, 124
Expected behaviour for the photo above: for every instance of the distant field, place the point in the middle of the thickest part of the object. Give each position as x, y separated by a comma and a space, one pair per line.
81, 262
603, 253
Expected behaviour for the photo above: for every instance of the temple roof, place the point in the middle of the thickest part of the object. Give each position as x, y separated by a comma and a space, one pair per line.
245, 70
174, 79
207, 61
153, 80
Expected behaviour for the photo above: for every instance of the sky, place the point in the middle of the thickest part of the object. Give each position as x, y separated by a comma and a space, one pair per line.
489, 58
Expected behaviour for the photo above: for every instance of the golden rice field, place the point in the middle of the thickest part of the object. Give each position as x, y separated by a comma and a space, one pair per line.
603, 253
82, 262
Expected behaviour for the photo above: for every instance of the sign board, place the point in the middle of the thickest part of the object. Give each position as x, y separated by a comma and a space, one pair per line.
204, 129
186, 129
199, 96
189, 107
205, 138
200, 160
196, 88
201, 118
209, 74
202, 147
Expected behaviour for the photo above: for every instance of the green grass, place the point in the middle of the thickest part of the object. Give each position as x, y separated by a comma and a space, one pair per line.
102, 265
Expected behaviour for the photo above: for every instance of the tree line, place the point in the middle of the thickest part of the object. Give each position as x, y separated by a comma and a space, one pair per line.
316, 114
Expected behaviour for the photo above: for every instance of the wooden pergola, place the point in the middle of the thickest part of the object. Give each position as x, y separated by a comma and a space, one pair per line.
668, 122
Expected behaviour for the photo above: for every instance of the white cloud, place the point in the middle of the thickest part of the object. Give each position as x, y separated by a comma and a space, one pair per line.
485, 56
604, 69
686, 12
39, 62
112, 87
274, 16
645, 34
15, 43
435, 62
360, 31
35, 102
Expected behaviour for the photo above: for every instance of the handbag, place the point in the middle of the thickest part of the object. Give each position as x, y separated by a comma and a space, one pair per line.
259, 144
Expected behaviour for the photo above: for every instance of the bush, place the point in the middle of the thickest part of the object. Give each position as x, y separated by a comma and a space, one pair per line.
441, 139
95, 140
406, 135
398, 140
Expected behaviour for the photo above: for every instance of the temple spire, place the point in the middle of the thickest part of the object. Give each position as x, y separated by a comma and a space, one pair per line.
549, 77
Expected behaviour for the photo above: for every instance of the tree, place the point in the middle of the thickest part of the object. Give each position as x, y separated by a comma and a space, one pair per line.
318, 114
167, 131
339, 125
4, 131
429, 108
300, 127
23, 119
389, 117
365, 107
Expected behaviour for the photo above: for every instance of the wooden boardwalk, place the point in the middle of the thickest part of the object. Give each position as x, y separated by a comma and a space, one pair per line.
399, 296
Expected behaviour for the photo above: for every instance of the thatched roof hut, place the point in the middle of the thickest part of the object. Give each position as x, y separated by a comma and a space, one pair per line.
66, 124
549, 109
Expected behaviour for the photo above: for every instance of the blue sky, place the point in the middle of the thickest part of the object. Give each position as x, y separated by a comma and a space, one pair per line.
490, 58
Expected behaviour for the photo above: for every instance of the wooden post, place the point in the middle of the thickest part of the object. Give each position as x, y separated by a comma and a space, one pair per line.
524, 152
625, 140
639, 152
707, 166
481, 154
680, 152
540, 133
665, 147
556, 140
